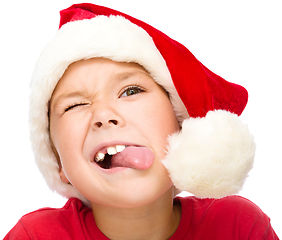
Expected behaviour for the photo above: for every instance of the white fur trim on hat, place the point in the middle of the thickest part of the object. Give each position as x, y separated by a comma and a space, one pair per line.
211, 156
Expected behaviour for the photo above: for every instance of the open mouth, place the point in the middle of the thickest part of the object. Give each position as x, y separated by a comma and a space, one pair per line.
106, 163
136, 157
104, 157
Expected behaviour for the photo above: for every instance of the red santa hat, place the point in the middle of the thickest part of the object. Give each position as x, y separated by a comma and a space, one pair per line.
211, 155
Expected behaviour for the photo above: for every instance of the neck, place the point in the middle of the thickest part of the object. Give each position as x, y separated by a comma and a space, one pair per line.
157, 220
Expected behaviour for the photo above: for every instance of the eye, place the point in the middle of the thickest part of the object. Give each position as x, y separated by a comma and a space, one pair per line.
131, 90
75, 105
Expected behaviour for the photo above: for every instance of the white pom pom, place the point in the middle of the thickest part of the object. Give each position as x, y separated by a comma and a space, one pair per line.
211, 156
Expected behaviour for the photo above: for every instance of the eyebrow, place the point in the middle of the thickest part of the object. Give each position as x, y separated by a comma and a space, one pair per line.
125, 75
70, 95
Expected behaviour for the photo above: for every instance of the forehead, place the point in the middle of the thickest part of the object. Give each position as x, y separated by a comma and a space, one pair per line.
83, 74
97, 66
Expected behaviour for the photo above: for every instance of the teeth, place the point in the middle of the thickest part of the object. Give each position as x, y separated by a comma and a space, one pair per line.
111, 151
100, 157
120, 148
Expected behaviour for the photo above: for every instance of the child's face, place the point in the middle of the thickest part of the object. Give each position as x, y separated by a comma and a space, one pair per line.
97, 104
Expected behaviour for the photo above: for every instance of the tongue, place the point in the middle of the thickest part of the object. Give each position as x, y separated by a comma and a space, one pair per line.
134, 157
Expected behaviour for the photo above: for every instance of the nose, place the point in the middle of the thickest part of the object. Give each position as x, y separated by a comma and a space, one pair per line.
105, 116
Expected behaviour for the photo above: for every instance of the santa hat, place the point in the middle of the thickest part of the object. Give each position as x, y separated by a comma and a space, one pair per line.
211, 155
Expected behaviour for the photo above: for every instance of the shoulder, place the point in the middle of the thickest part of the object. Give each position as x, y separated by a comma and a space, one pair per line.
235, 205
233, 215
50, 216
51, 223
238, 205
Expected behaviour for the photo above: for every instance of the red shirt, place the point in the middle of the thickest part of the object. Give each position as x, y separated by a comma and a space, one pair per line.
230, 218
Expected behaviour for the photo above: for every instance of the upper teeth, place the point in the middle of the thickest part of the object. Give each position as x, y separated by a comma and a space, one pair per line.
120, 148
99, 157
110, 150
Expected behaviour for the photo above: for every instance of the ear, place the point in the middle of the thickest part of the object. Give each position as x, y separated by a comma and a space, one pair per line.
61, 171
63, 176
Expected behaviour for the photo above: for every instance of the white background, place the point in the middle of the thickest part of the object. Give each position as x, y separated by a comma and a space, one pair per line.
239, 40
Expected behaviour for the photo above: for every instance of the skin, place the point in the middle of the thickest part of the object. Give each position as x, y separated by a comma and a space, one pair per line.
91, 107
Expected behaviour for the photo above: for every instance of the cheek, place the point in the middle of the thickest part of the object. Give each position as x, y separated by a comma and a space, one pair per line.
68, 138
67, 135
155, 121
159, 118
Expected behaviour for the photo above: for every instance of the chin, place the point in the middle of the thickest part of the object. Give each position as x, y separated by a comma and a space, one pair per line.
130, 196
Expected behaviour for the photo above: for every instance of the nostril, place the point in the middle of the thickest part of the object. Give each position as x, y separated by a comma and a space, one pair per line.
115, 122
99, 124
